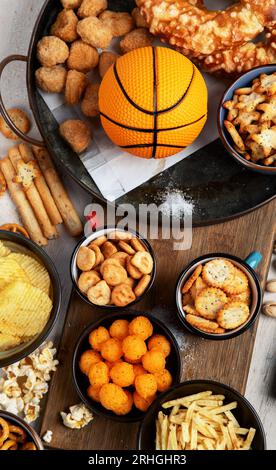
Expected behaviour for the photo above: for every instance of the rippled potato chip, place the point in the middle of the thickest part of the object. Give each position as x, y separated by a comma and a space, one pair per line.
8, 341
4, 251
36, 273
10, 271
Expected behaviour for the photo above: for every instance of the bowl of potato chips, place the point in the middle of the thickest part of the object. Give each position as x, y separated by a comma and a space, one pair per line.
30, 297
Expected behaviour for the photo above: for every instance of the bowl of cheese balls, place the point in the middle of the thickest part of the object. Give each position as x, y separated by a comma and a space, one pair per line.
113, 268
122, 362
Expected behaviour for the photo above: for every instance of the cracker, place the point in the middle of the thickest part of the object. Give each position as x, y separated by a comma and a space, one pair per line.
187, 299
233, 315
217, 272
242, 297
234, 134
199, 322
237, 284
188, 284
190, 308
266, 138
210, 301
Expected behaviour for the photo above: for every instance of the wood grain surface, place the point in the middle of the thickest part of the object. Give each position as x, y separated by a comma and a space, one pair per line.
225, 361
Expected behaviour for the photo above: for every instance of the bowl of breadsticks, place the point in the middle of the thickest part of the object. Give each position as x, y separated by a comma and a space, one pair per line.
247, 119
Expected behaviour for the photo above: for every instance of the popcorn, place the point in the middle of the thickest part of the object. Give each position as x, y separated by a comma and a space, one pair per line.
31, 412
48, 436
78, 417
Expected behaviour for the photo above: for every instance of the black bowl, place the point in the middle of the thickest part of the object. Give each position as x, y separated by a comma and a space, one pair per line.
173, 363
74, 271
16, 421
255, 289
245, 413
26, 246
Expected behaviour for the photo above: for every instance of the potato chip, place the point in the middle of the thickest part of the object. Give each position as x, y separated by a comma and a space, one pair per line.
36, 273
10, 271
8, 341
4, 251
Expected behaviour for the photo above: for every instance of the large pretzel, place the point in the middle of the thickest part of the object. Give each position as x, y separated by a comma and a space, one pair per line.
15, 228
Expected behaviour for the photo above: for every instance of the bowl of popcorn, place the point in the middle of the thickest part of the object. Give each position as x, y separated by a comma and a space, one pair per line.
218, 296
247, 119
113, 268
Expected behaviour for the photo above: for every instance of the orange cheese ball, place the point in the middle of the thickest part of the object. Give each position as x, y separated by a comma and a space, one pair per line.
134, 347
141, 403
98, 337
141, 326
146, 385
112, 364
113, 397
160, 342
119, 329
94, 392
122, 374
98, 374
125, 409
154, 361
138, 369
163, 379
87, 359
111, 350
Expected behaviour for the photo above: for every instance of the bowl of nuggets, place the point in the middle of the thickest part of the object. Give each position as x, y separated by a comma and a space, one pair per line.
30, 297
218, 296
247, 119
113, 268
201, 415
122, 362
16, 434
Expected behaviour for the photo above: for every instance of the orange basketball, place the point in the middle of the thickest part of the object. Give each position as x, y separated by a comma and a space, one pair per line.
153, 102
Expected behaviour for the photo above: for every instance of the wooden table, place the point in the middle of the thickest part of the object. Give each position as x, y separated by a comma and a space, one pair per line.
225, 361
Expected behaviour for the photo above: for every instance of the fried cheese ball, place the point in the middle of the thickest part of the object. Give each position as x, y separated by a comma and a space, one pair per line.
98, 374
125, 409
107, 58
21, 121
71, 4
138, 369
94, 392
163, 379
82, 57
137, 38
52, 51
76, 133
113, 398
111, 350
98, 337
145, 385
138, 18
141, 326
119, 329
88, 359
160, 342
94, 32
65, 26
91, 8
76, 83
90, 102
154, 361
141, 403
51, 79
134, 348
120, 23
122, 374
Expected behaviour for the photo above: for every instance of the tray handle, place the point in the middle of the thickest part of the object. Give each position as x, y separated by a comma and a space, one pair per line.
3, 111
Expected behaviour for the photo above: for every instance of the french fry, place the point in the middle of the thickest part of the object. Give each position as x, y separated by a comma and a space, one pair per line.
190, 412
232, 418
185, 432
164, 433
232, 434
222, 409
226, 437
249, 439
193, 443
181, 401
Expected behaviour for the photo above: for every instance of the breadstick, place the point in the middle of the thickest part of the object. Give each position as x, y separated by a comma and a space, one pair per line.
41, 185
34, 198
19, 198
65, 206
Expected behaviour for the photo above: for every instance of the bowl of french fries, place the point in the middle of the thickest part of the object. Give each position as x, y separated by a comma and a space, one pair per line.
247, 119
201, 415
30, 297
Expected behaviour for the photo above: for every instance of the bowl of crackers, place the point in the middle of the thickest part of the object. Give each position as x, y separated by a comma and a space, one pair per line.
247, 119
16, 434
122, 362
219, 296
30, 297
201, 415
113, 268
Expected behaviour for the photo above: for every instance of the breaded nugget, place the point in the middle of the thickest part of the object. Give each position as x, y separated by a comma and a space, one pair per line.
51, 79
138, 369
88, 279
141, 326
113, 397
76, 83
114, 275
134, 348
122, 295
82, 57
142, 260
160, 342
98, 374
120, 23
154, 361
122, 257
90, 102
100, 294
108, 249
119, 329
163, 379
87, 359
52, 51
98, 337
94, 32
137, 38
141, 403
146, 385
122, 374
85, 259
71, 4
65, 26
91, 8
111, 350
21, 121
76, 133
107, 58
93, 392
138, 18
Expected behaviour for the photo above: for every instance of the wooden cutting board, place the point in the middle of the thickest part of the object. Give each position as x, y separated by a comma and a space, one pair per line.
225, 361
